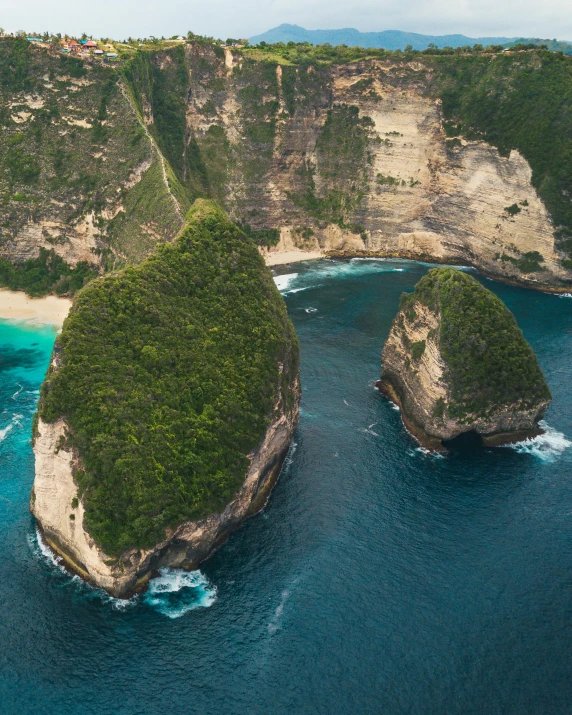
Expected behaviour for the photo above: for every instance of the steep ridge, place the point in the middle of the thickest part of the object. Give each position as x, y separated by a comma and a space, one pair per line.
79, 176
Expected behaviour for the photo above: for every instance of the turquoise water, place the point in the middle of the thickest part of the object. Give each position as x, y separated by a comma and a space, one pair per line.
378, 579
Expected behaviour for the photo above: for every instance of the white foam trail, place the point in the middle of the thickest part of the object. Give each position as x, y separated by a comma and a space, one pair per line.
547, 446
298, 290
311, 310
282, 282
414, 451
15, 395
274, 624
176, 592
290, 456
9, 427
564, 295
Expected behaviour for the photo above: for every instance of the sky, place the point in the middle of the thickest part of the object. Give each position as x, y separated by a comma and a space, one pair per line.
243, 18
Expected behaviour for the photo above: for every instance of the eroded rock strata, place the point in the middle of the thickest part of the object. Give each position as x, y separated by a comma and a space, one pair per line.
168, 408
455, 361
385, 156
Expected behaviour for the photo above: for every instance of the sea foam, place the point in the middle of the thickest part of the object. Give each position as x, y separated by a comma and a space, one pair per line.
282, 282
176, 592
547, 447
14, 422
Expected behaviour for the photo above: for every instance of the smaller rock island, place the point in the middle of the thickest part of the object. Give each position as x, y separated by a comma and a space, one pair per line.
456, 361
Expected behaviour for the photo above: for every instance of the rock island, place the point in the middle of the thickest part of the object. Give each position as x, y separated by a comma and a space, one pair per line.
456, 361
168, 407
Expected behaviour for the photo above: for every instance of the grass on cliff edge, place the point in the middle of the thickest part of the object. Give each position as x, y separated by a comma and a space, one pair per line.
169, 374
490, 364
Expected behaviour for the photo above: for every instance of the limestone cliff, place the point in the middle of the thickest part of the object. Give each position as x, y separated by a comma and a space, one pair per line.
455, 361
347, 158
60, 513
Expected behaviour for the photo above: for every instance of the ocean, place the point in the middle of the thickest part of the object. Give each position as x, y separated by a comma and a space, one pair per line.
378, 579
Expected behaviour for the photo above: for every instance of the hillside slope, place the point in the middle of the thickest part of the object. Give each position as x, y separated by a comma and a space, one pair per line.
387, 39
79, 176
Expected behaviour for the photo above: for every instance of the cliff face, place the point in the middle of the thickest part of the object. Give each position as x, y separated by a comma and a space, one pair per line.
60, 513
79, 174
353, 159
401, 184
453, 369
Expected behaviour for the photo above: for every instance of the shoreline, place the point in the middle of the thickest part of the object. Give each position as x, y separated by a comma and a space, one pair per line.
281, 258
18, 307
52, 310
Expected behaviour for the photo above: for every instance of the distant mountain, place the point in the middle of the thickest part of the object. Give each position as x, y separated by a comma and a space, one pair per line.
388, 39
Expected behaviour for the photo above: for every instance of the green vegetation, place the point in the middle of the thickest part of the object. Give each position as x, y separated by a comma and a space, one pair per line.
48, 273
388, 180
529, 262
15, 61
518, 102
513, 210
168, 377
417, 349
343, 160
264, 237
489, 362
163, 82
149, 215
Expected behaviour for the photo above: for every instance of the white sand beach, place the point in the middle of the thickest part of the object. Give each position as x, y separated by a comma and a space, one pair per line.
51, 310
278, 258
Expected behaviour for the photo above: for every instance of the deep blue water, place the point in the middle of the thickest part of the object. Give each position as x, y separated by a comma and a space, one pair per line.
378, 579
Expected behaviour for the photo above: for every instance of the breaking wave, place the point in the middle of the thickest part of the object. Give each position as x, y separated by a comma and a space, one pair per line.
313, 276
547, 446
173, 593
282, 282
5, 430
176, 592
15, 422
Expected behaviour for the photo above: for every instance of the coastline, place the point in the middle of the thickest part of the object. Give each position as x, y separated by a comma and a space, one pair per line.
17, 306
280, 258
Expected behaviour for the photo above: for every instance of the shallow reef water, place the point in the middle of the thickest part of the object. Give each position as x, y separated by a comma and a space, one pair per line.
378, 579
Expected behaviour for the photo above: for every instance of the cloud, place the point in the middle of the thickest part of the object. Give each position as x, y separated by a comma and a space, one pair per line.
223, 18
